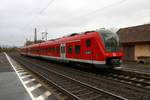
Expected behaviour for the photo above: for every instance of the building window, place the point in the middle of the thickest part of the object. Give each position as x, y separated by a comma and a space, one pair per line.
69, 49
88, 42
77, 49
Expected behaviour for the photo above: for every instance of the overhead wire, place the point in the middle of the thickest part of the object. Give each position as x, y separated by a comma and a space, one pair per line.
46, 7
87, 14
99, 9
37, 16
40, 12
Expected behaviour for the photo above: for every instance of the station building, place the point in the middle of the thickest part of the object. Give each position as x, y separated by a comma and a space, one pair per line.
135, 42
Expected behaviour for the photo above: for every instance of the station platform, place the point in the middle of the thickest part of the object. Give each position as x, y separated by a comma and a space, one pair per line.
11, 87
134, 67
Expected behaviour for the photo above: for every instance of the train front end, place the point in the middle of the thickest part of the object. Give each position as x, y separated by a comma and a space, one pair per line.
112, 49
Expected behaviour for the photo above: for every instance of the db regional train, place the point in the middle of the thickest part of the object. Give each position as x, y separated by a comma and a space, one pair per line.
98, 48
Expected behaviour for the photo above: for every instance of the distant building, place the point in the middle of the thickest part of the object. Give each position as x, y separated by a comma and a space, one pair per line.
135, 41
32, 42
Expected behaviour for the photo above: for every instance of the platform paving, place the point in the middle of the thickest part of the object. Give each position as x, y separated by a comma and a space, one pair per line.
11, 87
132, 66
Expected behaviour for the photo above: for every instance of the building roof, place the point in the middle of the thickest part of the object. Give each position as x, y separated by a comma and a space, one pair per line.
135, 34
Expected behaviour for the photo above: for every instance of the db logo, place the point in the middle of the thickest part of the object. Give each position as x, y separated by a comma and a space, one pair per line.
114, 54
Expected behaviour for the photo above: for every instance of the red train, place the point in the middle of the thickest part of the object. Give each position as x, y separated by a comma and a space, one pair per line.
99, 48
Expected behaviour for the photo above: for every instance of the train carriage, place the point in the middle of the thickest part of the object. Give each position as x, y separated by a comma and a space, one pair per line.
99, 48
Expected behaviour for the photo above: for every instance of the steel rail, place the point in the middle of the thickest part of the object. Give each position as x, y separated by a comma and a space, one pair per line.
135, 78
84, 84
74, 97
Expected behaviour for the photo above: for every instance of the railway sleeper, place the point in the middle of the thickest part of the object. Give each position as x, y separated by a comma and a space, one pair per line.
78, 92
73, 88
85, 94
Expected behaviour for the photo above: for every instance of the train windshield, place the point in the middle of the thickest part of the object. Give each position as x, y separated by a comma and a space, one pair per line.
111, 40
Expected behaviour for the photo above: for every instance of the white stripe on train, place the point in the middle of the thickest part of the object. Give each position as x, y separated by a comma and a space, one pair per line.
71, 59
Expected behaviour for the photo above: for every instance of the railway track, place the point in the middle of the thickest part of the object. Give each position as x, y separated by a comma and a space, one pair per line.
73, 88
133, 78
130, 91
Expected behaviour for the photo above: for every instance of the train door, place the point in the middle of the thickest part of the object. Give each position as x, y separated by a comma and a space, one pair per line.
77, 50
88, 49
63, 51
129, 53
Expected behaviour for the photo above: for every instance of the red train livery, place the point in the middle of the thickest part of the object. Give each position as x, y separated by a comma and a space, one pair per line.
99, 48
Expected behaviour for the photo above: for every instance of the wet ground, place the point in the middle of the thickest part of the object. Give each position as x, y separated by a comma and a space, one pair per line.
10, 86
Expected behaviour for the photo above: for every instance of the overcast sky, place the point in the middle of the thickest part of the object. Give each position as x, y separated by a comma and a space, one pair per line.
60, 17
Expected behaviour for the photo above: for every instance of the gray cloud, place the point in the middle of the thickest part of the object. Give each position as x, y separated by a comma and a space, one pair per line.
19, 17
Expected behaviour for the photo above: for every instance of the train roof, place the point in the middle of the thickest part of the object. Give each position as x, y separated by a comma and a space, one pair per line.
73, 36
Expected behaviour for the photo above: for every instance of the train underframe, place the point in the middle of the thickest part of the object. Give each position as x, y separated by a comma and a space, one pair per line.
110, 62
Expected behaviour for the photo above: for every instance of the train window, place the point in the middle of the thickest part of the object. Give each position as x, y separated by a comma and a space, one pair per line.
63, 49
69, 49
88, 42
77, 49
49, 49
57, 49
53, 49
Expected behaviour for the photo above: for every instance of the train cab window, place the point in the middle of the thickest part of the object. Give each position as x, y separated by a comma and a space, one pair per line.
88, 42
69, 49
77, 49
